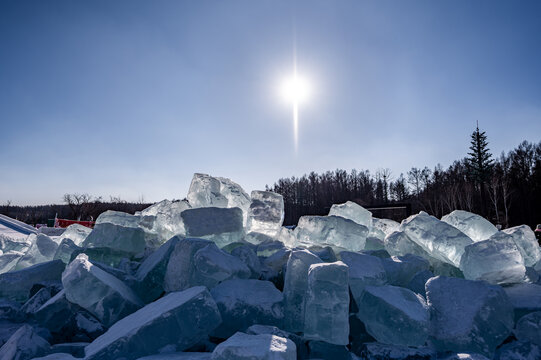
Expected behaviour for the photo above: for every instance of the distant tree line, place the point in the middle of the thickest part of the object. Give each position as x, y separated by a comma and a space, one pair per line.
505, 190
75, 207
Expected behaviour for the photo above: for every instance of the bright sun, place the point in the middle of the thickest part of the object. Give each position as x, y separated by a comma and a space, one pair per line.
295, 89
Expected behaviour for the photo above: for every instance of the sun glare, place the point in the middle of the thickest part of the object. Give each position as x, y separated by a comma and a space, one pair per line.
295, 89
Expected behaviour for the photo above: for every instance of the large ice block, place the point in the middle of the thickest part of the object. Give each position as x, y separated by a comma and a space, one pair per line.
527, 244
295, 288
398, 243
117, 218
150, 275
25, 343
119, 231
179, 320
441, 240
401, 269
9, 260
67, 321
223, 226
334, 231
212, 266
208, 191
476, 227
166, 219
248, 256
205, 191
42, 249
266, 213
388, 226
196, 262
526, 298
16, 285
496, 260
394, 315
65, 250
468, 316
364, 270
528, 328
327, 303
76, 233
102, 294
180, 266
235, 195
243, 303
352, 211
242, 346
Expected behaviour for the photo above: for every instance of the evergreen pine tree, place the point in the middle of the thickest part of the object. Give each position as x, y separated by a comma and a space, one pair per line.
480, 163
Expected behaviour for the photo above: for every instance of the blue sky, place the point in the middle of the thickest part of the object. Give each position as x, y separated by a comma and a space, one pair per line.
130, 98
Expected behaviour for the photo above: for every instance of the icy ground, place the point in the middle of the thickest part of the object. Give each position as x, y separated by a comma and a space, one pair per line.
217, 276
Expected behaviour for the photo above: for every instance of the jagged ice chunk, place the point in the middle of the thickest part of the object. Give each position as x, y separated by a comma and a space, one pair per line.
266, 213
476, 227
327, 303
295, 288
486, 315
394, 315
95, 290
331, 230
496, 260
352, 211
441, 240
178, 320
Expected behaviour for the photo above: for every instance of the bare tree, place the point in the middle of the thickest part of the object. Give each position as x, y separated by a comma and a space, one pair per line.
141, 199
116, 200
415, 178
505, 163
469, 191
506, 195
493, 193
80, 204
